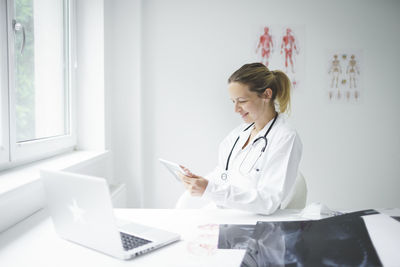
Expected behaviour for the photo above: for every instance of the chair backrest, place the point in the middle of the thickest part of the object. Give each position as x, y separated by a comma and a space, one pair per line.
299, 195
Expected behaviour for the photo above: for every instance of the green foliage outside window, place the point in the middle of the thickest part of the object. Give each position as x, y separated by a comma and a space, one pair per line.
25, 73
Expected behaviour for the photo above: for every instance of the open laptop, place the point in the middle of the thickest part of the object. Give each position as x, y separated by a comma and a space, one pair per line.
82, 212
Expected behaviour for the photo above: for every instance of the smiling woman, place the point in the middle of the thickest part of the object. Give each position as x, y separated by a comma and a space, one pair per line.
258, 161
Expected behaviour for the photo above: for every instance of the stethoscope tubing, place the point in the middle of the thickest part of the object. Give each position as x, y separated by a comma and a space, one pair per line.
261, 137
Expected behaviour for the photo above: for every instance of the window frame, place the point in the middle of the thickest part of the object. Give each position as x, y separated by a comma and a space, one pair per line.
4, 143
29, 151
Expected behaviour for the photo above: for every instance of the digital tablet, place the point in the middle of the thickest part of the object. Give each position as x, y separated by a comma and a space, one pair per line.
173, 168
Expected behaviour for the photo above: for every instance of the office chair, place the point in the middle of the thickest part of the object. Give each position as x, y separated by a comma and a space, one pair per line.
296, 200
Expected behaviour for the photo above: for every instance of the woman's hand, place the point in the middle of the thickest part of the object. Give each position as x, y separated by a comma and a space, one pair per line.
196, 185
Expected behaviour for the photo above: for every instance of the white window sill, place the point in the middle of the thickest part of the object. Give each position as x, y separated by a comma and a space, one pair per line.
12, 179
22, 192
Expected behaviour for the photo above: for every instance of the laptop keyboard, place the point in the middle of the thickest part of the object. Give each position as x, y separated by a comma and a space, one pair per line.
130, 242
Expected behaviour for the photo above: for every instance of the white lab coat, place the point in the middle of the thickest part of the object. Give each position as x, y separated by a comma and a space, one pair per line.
264, 187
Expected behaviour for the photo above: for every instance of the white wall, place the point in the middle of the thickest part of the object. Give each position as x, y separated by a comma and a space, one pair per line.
90, 74
189, 49
122, 70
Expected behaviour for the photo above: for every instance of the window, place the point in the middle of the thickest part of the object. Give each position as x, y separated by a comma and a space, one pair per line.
36, 78
4, 132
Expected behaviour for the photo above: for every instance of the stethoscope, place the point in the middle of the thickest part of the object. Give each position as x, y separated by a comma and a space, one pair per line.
224, 175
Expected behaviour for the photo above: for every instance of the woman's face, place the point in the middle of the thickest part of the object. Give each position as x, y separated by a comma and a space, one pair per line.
249, 105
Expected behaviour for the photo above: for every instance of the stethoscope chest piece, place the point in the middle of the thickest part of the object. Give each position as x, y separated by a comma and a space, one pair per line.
224, 176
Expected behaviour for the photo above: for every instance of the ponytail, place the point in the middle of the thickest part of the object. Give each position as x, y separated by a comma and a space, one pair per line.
282, 91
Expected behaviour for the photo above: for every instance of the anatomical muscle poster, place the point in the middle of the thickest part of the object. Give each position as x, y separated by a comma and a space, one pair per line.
281, 47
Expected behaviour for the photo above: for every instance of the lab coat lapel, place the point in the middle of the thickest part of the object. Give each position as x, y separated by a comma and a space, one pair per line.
243, 136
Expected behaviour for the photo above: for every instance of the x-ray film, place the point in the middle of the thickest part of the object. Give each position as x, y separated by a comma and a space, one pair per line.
235, 236
338, 241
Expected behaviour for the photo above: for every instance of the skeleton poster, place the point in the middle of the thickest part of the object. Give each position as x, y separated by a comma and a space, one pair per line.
280, 47
344, 75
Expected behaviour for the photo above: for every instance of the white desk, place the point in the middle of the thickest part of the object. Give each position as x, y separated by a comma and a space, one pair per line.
34, 242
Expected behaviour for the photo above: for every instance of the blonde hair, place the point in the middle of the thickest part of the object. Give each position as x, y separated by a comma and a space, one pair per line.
258, 77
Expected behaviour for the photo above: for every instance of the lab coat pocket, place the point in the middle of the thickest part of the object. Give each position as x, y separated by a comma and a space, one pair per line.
255, 173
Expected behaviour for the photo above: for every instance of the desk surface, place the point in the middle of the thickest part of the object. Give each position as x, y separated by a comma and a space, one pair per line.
34, 242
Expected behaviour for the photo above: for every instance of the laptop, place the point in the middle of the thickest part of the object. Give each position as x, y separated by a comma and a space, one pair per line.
82, 212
